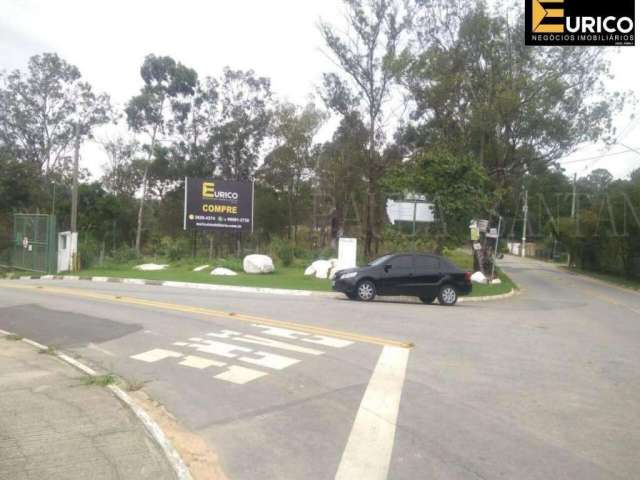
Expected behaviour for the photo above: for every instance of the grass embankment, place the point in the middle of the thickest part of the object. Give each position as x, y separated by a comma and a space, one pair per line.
625, 282
284, 277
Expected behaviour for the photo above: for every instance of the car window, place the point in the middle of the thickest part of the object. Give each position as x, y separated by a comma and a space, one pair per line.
402, 261
379, 261
426, 262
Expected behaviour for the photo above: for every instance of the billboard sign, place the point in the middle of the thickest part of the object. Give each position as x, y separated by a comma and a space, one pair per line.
218, 205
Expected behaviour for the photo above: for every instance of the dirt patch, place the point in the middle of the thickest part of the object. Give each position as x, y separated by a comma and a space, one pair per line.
201, 460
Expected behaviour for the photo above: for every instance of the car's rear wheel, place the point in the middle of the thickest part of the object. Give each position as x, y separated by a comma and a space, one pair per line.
448, 295
366, 290
351, 296
427, 300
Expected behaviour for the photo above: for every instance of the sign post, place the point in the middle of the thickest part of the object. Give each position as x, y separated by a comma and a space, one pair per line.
212, 205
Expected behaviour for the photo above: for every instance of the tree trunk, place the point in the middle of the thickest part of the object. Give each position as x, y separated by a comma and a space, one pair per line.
141, 210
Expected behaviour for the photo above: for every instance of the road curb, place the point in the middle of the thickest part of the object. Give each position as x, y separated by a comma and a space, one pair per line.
171, 454
228, 288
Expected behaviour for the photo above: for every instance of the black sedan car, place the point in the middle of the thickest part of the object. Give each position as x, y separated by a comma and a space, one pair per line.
421, 275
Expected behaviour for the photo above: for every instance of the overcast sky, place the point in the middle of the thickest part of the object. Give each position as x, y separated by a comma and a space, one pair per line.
108, 41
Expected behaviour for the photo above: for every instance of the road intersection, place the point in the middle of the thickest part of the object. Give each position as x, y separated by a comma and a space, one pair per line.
542, 385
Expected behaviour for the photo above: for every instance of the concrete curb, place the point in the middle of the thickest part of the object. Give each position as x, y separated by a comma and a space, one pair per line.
172, 455
229, 288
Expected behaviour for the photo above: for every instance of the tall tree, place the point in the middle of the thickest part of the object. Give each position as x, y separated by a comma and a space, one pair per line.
168, 85
369, 58
478, 89
290, 162
244, 118
43, 109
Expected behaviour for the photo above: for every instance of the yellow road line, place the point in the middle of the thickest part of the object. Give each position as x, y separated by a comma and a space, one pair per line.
140, 302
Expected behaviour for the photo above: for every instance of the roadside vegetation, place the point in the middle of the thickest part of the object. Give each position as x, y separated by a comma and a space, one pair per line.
289, 277
484, 122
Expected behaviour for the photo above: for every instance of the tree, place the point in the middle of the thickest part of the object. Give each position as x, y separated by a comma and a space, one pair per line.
456, 185
290, 162
339, 168
243, 123
478, 89
120, 173
369, 59
43, 110
167, 87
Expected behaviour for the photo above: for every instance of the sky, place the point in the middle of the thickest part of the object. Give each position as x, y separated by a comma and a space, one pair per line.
279, 39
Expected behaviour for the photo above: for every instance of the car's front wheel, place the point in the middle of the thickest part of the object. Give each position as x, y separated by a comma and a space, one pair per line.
366, 290
448, 295
427, 300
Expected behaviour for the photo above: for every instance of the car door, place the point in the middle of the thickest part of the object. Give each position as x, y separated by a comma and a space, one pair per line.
397, 275
427, 275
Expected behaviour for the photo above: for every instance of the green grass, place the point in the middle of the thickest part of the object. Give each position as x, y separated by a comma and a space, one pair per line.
284, 277
99, 380
12, 337
631, 283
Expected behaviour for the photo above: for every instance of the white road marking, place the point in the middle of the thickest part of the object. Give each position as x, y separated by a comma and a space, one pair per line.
305, 337
328, 341
268, 342
200, 363
224, 334
280, 332
240, 375
180, 344
271, 360
155, 355
368, 451
219, 348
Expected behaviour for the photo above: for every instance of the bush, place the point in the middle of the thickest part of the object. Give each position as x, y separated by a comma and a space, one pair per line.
172, 249
284, 251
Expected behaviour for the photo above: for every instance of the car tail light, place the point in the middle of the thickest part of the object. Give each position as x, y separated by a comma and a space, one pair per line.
467, 277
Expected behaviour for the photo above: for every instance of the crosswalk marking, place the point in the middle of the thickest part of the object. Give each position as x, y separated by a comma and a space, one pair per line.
240, 375
156, 354
271, 360
200, 363
305, 337
211, 343
218, 348
268, 342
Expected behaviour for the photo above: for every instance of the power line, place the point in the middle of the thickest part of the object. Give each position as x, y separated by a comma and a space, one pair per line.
595, 157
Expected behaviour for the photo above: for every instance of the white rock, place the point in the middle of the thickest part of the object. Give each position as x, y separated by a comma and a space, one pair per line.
478, 277
496, 281
257, 264
310, 270
223, 271
150, 266
200, 268
321, 268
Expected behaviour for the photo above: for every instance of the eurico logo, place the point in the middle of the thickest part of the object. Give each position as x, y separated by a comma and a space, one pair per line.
580, 22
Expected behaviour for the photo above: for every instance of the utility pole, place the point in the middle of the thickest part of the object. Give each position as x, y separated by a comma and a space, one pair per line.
525, 210
573, 201
74, 192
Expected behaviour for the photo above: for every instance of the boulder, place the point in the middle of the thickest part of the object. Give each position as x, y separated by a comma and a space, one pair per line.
223, 271
322, 268
496, 281
200, 268
257, 264
150, 267
478, 277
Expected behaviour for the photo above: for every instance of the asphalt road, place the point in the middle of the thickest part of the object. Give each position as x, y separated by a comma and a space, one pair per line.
544, 385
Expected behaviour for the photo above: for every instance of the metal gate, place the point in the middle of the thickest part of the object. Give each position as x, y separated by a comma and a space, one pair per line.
34, 242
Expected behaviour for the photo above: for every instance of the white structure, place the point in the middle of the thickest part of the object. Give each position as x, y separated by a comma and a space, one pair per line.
67, 251
347, 252
404, 211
